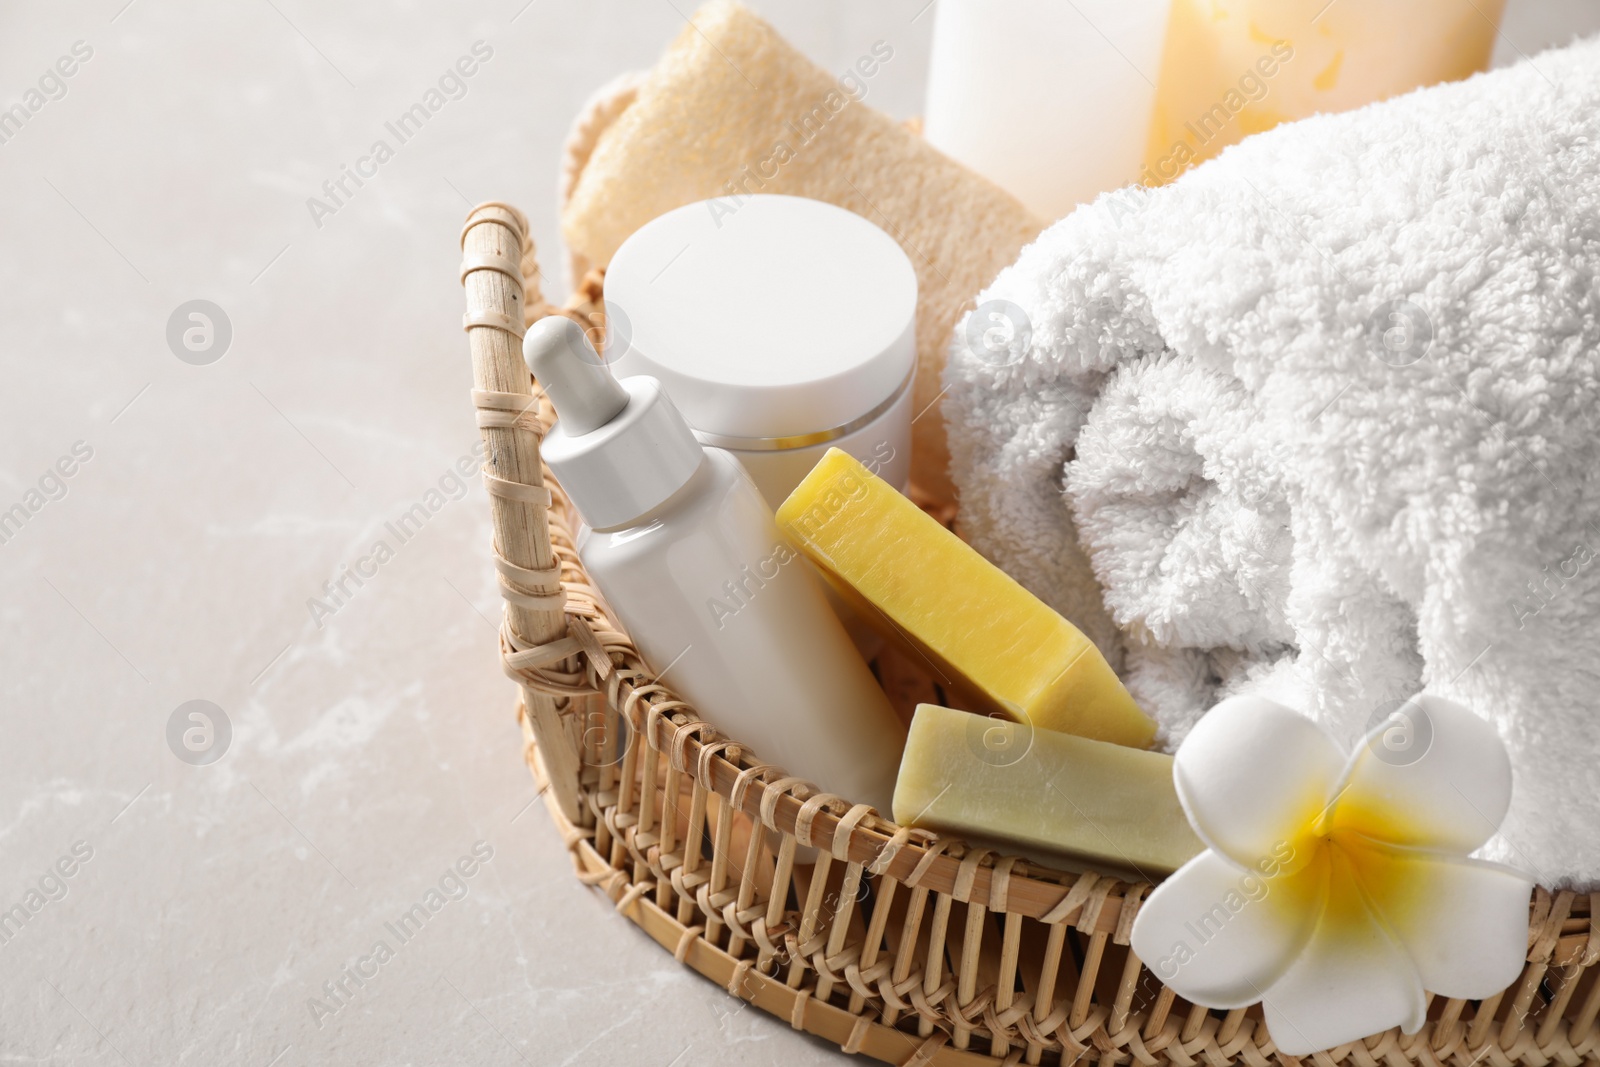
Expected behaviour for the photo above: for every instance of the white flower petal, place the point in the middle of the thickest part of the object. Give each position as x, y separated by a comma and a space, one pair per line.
1252, 775
1352, 978
1434, 776
1218, 935
1464, 923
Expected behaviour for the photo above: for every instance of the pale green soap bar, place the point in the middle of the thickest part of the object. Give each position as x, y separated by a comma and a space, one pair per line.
1043, 794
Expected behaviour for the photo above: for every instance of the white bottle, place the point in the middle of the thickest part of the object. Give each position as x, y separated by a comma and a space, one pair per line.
1049, 100
684, 548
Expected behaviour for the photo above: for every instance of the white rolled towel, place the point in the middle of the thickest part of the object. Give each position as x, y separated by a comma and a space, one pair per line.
1321, 418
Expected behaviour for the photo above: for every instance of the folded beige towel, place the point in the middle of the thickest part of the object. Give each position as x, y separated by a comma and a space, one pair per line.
733, 110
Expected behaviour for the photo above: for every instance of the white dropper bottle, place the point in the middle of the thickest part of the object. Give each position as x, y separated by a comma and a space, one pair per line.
684, 549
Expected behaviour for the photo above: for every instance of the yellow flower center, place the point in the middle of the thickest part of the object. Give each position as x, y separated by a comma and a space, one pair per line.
1342, 855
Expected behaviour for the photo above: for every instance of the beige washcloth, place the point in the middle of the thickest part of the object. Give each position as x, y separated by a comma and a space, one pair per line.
732, 110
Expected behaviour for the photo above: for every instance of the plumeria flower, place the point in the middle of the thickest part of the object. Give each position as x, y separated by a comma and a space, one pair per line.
1333, 890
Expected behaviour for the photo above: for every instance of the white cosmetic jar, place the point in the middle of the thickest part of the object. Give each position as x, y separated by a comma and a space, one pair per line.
779, 326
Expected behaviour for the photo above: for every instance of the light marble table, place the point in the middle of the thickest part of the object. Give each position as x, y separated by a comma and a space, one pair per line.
190, 510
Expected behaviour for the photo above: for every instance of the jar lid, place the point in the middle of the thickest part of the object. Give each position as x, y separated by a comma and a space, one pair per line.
764, 317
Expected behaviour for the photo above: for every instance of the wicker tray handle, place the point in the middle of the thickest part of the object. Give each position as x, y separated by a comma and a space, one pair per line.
534, 628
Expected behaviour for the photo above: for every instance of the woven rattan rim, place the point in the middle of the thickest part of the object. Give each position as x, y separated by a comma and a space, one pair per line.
606, 817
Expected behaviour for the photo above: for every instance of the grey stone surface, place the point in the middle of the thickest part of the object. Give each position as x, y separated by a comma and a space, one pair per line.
189, 512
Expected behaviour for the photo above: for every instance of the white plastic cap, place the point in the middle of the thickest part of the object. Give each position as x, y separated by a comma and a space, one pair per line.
619, 449
764, 316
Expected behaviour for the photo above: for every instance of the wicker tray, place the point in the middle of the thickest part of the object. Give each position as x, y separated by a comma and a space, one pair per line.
908, 947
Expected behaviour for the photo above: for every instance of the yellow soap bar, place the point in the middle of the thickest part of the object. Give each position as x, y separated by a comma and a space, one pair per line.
1044, 795
981, 633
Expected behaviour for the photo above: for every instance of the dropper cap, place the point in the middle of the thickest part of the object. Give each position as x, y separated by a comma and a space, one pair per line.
619, 448
585, 394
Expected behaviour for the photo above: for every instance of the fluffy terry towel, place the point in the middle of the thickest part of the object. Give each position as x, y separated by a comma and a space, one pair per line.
733, 110
1322, 417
